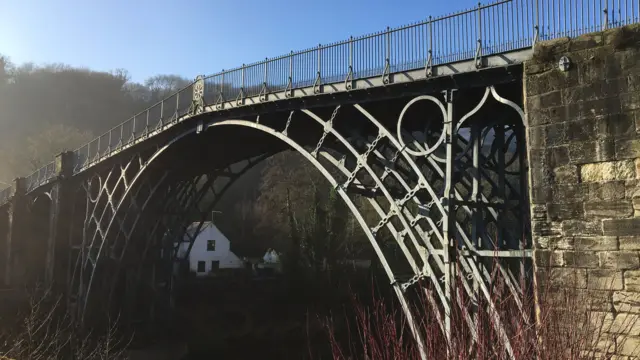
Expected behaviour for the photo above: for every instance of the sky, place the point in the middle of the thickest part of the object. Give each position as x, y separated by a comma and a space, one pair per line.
191, 37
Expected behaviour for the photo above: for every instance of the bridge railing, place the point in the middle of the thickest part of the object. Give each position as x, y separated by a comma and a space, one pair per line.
138, 127
495, 28
486, 29
41, 176
5, 194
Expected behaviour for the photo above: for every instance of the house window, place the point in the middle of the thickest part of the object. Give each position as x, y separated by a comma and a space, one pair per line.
215, 265
201, 266
211, 245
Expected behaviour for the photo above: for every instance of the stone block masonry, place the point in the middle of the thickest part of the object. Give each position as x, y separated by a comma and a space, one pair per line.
584, 154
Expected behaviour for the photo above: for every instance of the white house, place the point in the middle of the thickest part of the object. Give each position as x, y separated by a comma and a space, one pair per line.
270, 262
211, 251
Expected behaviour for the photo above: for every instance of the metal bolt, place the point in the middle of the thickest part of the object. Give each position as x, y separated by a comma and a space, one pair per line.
564, 64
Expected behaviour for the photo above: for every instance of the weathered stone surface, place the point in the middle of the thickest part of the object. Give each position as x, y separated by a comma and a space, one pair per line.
626, 301
635, 200
580, 130
607, 171
546, 258
581, 259
632, 280
629, 242
561, 243
595, 243
608, 209
584, 152
628, 346
621, 260
621, 227
537, 136
626, 323
539, 212
532, 68
558, 156
600, 279
541, 242
618, 126
543, 101
599, 300
569, 277
567, 174
540, 195
544, 228
631, 187
630, 101
590, 109
628, 149
550, 81
569, 193
601, 320
581, 228
555, 134
566, 211
604, 344
610, 190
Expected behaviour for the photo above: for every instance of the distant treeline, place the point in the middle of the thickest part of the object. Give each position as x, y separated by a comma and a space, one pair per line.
52, 108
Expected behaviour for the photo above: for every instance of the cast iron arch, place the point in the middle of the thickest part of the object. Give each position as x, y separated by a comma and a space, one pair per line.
427, 258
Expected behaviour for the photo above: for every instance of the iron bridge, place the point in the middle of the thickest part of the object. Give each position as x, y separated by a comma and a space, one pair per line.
424, 121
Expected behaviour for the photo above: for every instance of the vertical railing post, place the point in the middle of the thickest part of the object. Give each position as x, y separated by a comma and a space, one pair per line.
222, 87
241, 95
317, 85
264, 90
387, 57
146, 128
161, 115
243, 80
348, 81
177, 105
289, 89
220, 99
350, 53
478, 57
133, 127
110, 142
121, 141
536, 26
98, 148
428, 66
605, 15
448, 221
319, 59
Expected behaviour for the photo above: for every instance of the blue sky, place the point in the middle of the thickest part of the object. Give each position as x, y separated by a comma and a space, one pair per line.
191, 37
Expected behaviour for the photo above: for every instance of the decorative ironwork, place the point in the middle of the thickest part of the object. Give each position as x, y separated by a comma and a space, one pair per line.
197, 102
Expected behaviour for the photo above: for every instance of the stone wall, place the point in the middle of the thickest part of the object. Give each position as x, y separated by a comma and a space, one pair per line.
584, 151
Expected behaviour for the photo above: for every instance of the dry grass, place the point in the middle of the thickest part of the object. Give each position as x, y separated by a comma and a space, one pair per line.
43, 331
567, 328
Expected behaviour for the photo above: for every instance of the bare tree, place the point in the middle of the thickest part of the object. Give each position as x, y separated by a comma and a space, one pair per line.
162, 86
